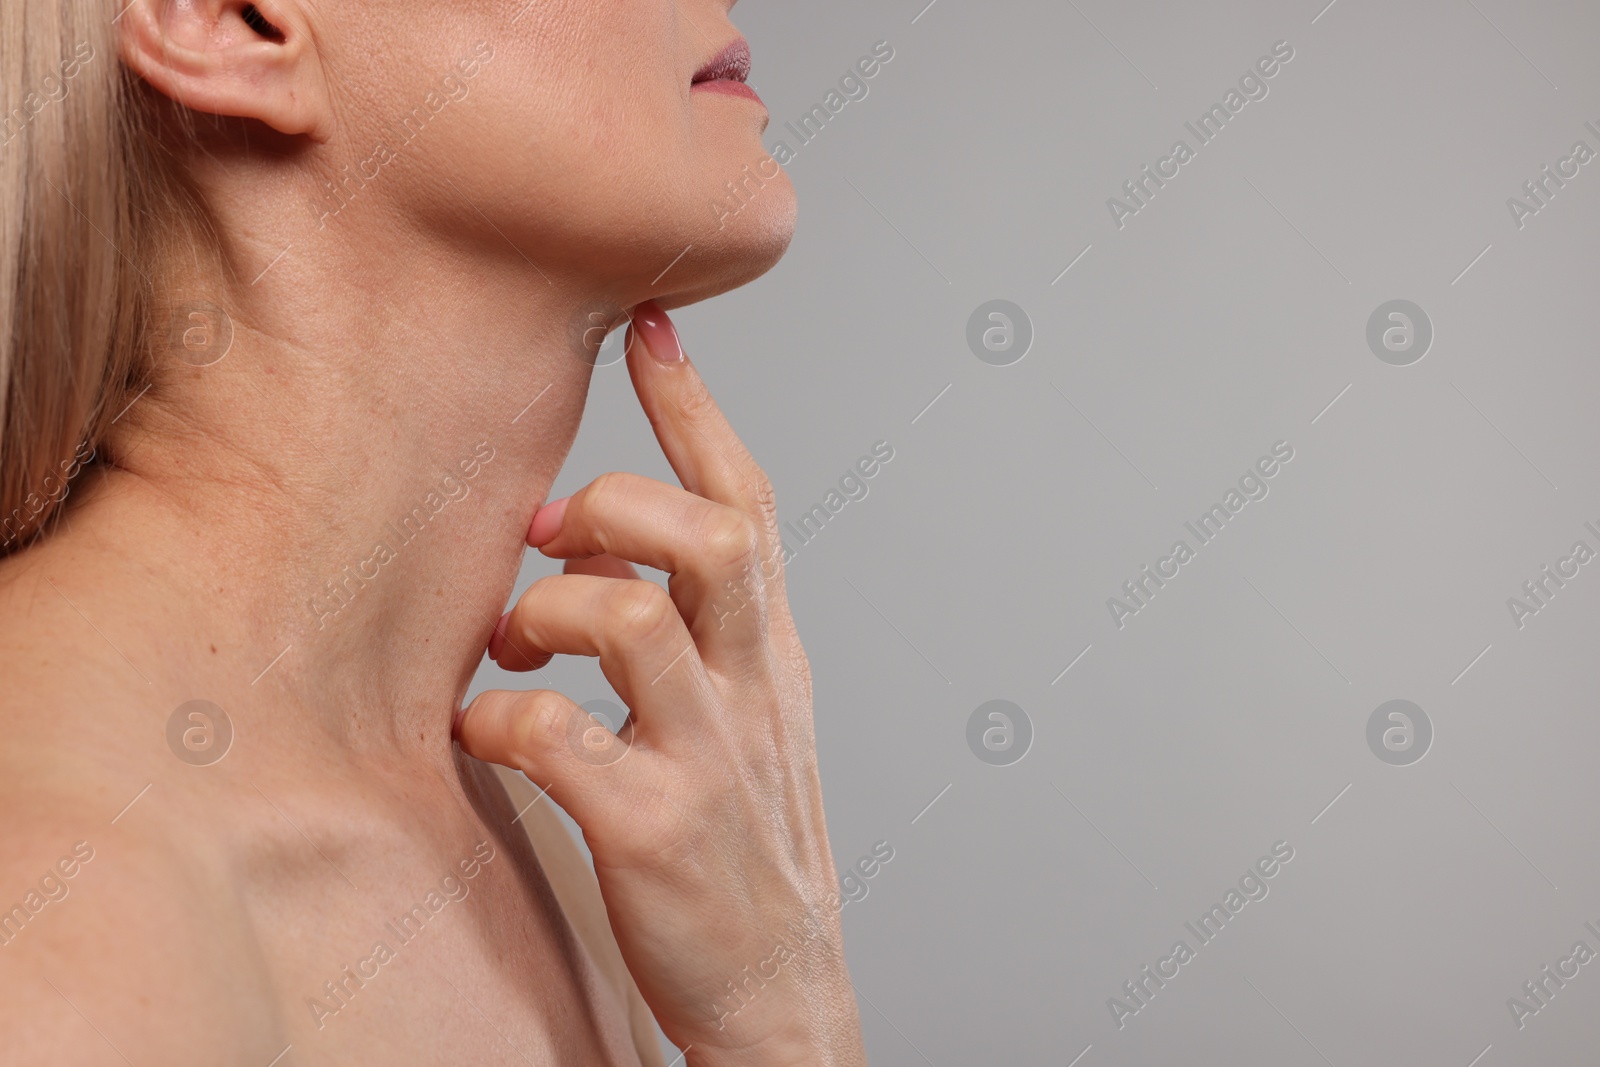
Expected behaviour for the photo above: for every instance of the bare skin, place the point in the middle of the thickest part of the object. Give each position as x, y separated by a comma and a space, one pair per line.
234, 891
205, 922
211, 912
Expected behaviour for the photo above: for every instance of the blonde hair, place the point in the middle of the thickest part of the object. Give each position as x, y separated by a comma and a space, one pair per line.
85, 190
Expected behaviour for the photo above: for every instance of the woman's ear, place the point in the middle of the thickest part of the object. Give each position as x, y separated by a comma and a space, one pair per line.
230, 58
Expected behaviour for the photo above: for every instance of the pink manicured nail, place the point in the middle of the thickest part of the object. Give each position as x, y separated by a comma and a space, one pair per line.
660, 336
547, 522
497, 640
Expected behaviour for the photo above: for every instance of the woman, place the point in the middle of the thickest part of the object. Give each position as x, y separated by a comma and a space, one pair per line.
300, 301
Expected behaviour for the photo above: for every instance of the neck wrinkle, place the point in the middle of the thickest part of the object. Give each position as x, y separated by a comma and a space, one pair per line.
341, 500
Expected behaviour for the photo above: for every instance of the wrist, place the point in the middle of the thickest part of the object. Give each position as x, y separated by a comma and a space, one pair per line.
797, 1048
809, 1021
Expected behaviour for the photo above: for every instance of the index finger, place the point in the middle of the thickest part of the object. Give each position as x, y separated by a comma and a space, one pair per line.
702, 447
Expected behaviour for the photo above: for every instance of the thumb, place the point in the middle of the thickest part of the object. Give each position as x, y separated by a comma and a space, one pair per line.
556, 743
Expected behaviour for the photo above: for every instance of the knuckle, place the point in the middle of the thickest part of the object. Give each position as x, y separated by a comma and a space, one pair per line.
730, 540
539, 718
763, 498
761, 489
639, 610
695, 400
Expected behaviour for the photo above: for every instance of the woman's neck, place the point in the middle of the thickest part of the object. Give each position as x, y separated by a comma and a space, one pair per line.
338, 505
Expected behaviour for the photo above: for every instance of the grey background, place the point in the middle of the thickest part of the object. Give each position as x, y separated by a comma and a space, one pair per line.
1228, 714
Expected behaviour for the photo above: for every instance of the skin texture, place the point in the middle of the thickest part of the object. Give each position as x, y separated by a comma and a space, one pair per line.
419, 354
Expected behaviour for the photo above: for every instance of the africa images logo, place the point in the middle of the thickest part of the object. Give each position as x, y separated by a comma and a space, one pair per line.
1140, 190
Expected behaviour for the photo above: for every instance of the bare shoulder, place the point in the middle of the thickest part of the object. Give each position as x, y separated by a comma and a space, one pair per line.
104, 914
110, 927
108, 934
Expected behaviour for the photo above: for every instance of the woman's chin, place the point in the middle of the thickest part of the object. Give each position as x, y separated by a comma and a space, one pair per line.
733, 251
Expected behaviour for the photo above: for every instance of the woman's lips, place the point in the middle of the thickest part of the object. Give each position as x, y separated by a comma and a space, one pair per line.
727, 72
725, 85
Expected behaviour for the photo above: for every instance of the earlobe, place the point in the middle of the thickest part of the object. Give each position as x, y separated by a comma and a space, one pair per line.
230, 58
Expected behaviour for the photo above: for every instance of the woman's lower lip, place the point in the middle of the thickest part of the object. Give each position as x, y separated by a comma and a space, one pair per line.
729, 86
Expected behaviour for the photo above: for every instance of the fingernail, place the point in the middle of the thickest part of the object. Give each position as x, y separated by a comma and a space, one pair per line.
660, 336
455, 723
547, 522
497, 640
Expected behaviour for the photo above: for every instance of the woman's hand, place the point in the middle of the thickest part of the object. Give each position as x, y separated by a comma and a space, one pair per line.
704, 813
